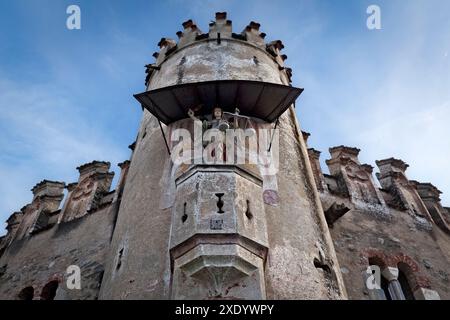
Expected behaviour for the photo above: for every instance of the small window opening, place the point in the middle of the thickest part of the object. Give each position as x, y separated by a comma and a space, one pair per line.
49, 290
376, 261
184, 216
220, 202
248, 213
119, 259
404, 278
26, 293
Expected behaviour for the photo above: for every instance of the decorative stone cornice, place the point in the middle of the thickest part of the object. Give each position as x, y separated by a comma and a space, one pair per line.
47, 187
124, 164
97, 166
306, 136
343, 150
390, 163
427, 191
314, 153
14, 219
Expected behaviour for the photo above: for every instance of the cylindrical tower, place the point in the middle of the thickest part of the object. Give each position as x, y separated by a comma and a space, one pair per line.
206, 216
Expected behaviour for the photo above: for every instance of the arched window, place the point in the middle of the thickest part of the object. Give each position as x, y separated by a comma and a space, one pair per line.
382, 293
385, 288
26, 293
385, 292
404, 274
49, 290
377, 261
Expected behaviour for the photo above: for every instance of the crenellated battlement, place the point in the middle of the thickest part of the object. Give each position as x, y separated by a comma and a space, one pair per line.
189, 34
94, 166
391, 175
344, 152
391, 165
427, 190
233, 230
350, 179
91, 192
48, 188
220, 26
220, 30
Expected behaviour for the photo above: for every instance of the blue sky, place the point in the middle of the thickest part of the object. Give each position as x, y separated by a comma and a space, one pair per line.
66, 95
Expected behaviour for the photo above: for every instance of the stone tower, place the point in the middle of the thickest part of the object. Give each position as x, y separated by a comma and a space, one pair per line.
222, 229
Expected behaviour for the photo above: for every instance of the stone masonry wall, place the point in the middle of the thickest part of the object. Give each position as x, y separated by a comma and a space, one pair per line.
46, 256
43, 241
389, 227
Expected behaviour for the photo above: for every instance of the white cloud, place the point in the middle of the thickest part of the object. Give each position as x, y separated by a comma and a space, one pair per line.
43, 137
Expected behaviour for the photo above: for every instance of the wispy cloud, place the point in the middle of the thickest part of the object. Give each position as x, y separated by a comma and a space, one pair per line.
66, 97
43, 136
386, 92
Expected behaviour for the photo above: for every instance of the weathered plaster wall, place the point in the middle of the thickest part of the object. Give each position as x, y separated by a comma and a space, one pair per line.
359, 235
130, 241
301, 262
35, 261
141, 236
390, 226
207, 60
298, 235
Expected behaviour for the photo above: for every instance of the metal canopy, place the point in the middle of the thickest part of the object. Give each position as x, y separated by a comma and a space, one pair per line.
266, 101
